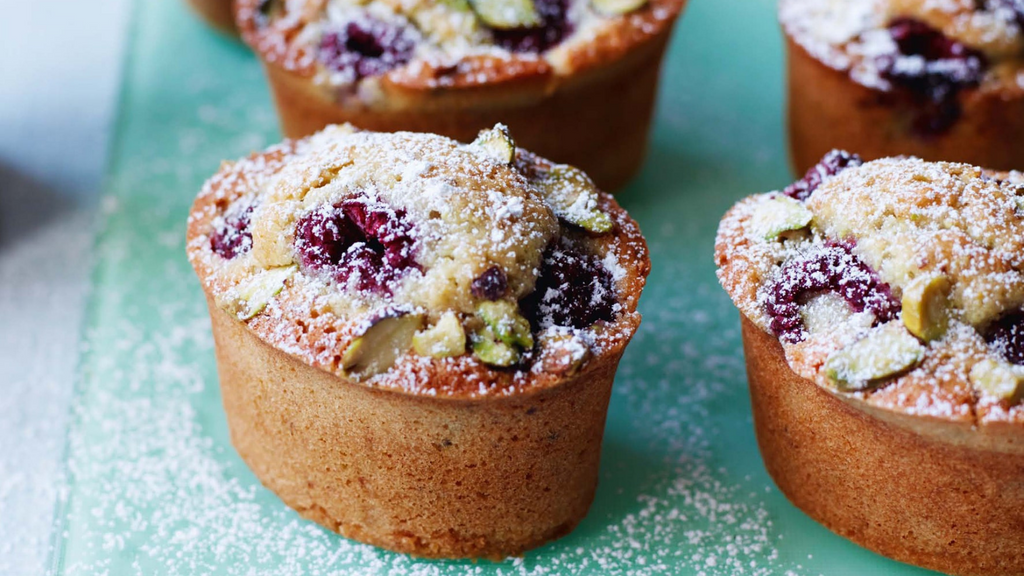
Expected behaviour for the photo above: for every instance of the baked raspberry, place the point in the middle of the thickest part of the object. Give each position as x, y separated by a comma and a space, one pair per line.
491, 285
933, 68
833, 163
367, 47
554, 27
355, 239
1006, 336
574, 290
834, 269
233, 237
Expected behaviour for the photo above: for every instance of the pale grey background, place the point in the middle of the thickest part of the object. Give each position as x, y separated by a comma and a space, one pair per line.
60, 66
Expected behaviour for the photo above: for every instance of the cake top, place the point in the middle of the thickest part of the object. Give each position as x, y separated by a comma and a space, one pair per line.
930, 50
898, 282
355, 46
415, 262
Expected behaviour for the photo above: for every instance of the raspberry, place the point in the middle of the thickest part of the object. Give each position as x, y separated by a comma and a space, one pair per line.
833, 163
554, 27
574, 290
354, 239
367, 47
232, 235
834, 269
933, 68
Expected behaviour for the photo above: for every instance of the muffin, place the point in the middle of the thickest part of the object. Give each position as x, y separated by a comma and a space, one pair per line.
937, 80
217, 13
883, 329
584, 70
416, 338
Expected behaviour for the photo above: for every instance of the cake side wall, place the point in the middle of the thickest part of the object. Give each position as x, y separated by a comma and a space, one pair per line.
431, 477
946, 507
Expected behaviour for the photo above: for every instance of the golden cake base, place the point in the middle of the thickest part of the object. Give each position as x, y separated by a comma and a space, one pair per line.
219, 14
434, 477
935, 497
828, 109
597, 120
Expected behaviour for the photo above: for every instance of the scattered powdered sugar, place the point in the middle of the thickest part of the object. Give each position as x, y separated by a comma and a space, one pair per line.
157, 489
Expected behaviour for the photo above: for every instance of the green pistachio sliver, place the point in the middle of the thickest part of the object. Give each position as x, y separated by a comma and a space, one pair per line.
506, 323
507, 14
999, 379
885, 352
494, 352
497, 144
383, 340
780, 214
573, 197
617, 7
251, 296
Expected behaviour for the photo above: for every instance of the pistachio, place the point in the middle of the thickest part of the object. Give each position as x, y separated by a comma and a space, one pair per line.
563, 353
884, 352
492, 351
445, 339
507, 14
926, 306
382, 340
999, 379
506, 323
251, 296
780, 214
572, 196
496, 143
617, 7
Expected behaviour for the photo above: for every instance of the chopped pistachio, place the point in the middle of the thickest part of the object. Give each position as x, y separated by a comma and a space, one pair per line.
382, 341
616, 7
507, 14
572, 196
926, 307
251, 296
999, 379
497, 144
780, 214
563, 353
508, 325
885, 351
493, 351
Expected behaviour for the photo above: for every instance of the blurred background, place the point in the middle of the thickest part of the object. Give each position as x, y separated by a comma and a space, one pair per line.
60, 65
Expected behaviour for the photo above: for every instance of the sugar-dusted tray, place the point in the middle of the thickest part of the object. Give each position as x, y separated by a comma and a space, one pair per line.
154, 485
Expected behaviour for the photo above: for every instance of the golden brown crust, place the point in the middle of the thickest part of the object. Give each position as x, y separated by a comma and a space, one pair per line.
828, 109
616, 37
435, 477
947, 497
602, 116
218, 13
905, 218
308, 331
599, 97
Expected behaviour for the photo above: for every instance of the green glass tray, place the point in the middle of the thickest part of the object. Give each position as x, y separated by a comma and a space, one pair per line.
154, 485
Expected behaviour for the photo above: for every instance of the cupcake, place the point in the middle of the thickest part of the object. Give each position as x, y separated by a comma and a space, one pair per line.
217, 13
416, 338
937, 80
584, 70
882, 321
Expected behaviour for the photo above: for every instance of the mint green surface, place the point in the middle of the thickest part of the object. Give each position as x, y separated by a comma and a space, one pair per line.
155, 487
